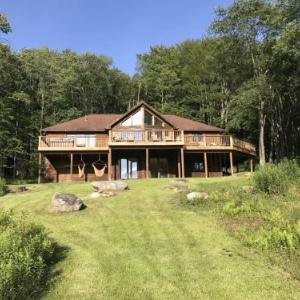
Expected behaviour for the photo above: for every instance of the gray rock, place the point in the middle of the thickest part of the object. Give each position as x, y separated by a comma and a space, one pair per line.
62, 202
197, 195
107, 194
117, 185
248, 189
21, 189
179, 181
179, 185
95, 194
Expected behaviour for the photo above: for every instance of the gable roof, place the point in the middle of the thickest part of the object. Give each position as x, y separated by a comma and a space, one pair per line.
100, 122
135, 108
103, 122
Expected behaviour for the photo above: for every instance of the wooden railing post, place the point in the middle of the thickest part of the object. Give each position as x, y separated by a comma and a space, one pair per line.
109, 161
231, 162
205, 164
39, 168
231, 141
71, 165
182, 163
251, 165
179, 164
147, 163
204, 140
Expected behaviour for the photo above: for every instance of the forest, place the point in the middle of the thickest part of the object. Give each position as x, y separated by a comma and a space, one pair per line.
243, 75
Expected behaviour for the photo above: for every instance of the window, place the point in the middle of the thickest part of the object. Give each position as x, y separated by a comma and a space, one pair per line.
135, 120
87, 140
142, 117
148, 119
157, 122
198, 166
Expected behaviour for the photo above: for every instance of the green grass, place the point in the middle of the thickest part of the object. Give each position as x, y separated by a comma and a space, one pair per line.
143, 244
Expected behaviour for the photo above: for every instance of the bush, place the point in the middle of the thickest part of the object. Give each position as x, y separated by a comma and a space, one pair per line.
285, 237
25, 253
275, 179
3, 187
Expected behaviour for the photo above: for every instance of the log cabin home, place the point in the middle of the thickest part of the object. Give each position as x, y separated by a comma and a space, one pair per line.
141, 143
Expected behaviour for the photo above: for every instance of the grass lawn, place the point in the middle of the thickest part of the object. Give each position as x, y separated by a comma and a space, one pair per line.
142, 244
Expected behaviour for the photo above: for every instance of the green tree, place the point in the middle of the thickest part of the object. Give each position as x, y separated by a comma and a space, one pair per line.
4, 24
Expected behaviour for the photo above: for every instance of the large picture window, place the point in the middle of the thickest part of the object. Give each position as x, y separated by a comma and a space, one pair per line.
142, 117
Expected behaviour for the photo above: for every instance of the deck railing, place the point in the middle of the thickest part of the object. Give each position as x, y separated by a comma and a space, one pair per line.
218, 141
243, 145
147, 136
96, 141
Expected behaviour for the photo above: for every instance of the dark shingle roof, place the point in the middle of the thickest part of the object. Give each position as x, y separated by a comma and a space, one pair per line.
190, 125
94, 122
100, 122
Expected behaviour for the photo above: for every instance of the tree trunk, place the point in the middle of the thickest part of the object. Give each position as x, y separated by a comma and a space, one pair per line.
262, 122
42, 112
139, 92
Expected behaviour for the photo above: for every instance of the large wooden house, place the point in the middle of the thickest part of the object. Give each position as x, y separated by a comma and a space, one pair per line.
141, 143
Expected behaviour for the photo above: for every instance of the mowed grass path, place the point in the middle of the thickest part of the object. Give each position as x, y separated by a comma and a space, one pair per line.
142, 244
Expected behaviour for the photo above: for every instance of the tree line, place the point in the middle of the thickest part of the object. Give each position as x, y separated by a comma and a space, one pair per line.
244, 76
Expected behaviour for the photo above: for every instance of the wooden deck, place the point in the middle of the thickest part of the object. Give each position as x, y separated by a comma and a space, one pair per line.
218, 143
146, 138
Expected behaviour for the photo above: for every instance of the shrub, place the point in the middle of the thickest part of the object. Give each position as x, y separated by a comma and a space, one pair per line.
277, 238
275, 179
235, 208
25, 253
3, 187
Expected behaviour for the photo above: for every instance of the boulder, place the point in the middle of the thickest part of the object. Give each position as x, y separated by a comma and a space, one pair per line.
107, 194
117, 185
248, 189
62, 202
197, 195
95, 194
179, 185
21, 189
177, 181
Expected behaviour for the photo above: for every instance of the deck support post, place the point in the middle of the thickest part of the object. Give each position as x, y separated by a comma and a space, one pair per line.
182, 163
147, 163
231, 162
179, 164
71, 165
109, 160
40, 166
251, 165
205, 164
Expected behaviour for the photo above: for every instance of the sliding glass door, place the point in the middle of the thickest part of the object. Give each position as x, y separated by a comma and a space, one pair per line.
128, 168
158, 167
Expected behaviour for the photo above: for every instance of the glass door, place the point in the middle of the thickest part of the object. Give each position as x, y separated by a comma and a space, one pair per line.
163, 167
128, 168
154, 167
132, 168
158, 167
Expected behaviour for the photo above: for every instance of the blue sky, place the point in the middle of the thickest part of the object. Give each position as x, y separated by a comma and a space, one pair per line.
115, 28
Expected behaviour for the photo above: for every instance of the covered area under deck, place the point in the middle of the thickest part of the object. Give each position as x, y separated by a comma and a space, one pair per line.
146, 162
